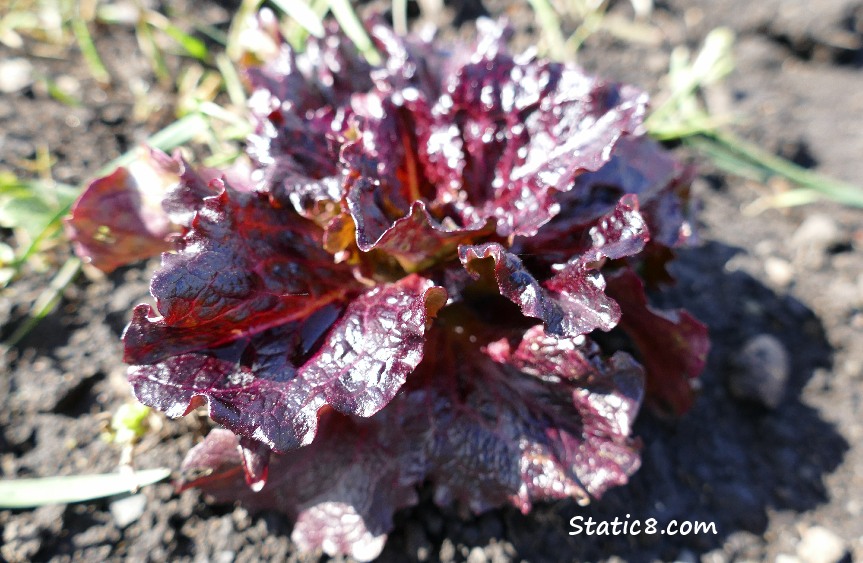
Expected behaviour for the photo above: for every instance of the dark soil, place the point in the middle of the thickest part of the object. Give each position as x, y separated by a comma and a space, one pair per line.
768, 478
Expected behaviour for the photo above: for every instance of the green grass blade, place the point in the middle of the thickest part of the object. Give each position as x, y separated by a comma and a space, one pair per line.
214, 33
177, 133
30, 493
549, 20
303, 14
726, 160
400, 16
735, 150
47, 300
50, 225
793, 198
152, 51
247, 9
298, 35
231, 80
193, 46
350, 23
88, 50
61, 95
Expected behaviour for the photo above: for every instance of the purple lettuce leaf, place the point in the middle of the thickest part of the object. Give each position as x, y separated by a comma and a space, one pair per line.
672, 345
528, 419
572, 301
381, 179
638, 166
134, 212
341, 491
300, 119
119, 218
418, 240
519, 130
384, 175
326, 74
244, 267
304, 175
409, 61
516, 421
183, 199
270, 386
497, 138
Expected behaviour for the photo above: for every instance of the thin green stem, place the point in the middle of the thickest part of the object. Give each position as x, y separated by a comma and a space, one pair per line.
549, 21
350, 23
88, 50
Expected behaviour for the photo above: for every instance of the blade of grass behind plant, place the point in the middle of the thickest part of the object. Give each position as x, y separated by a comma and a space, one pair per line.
725, 160
792, 198
549, 20
47, 300
231, 80
52, 224
592, 15
214, 33
88, 50
738, 156
298, 35
148, 45
30, 493
246, 10
193, 46
303, 14
59, 94
400, 16
350, 23
177, 133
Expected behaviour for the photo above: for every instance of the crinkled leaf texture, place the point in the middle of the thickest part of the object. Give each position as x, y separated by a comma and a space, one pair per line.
539, 419
572, 302
403, 288
263, 332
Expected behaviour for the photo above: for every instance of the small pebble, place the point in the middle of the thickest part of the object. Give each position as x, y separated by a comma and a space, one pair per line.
762, 371
820, 545
778, 271
818, 231
813, 240
816, 235
477, 555
15, 75
68, 84
127, 510
447, 550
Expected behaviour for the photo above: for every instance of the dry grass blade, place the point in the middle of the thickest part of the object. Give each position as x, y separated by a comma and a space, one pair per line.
30, 493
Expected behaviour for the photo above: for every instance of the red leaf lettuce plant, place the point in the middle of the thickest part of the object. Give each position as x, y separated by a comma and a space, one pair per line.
405, 287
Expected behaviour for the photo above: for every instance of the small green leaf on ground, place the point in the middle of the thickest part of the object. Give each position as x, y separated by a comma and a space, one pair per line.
129, 423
